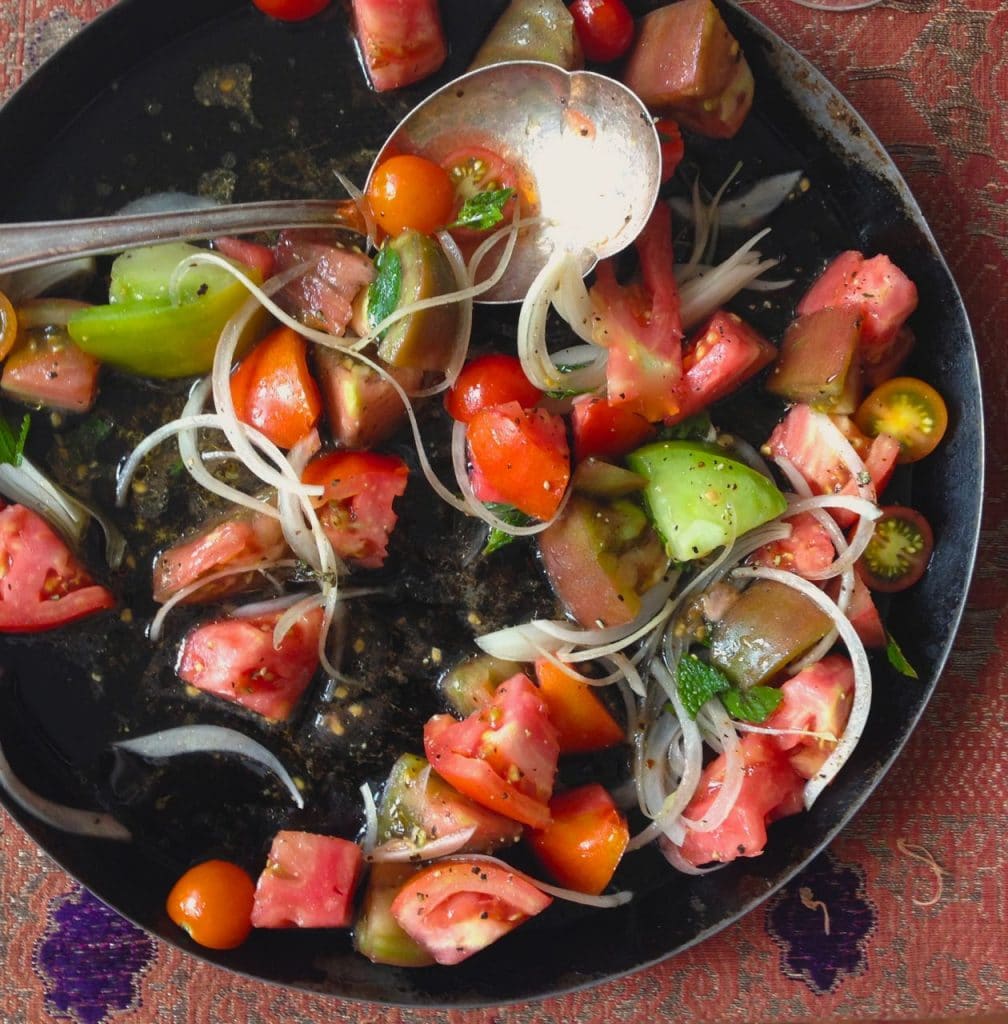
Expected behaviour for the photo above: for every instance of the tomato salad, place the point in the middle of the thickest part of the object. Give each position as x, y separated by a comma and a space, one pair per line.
717, 597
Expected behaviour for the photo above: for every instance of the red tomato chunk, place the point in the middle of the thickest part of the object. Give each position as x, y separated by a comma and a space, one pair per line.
807, 551
490, 380
42, 585
308, 882
235, 659
401, 41
503, 756
457, 907
46, 367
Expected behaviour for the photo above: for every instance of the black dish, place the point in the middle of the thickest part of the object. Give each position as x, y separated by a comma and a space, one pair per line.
114, 116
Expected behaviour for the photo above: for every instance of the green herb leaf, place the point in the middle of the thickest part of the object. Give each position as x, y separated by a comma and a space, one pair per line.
11, 446
498, 539
756, 704
697, 682
383, 292
694, 428
483, 210
898, 659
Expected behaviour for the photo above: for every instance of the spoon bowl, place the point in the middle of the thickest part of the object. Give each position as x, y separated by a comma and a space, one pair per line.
583, 146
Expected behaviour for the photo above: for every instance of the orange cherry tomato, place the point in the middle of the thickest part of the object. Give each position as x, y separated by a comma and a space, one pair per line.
411, 192
585, 841
910, 411
582, 721
212, 903
273, 389
8, 326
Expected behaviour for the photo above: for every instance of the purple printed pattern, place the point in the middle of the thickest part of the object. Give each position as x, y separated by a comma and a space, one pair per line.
90, 959
821, 921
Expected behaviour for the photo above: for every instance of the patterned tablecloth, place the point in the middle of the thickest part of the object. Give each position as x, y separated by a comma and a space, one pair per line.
904, 942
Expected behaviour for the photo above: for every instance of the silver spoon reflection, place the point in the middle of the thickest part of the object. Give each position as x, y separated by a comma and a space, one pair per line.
586, 142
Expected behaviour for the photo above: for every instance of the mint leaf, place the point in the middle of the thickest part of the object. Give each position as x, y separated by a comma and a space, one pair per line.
483, 210
383, 292
756, 704
498, 539
11, 445
697, 682
897, 658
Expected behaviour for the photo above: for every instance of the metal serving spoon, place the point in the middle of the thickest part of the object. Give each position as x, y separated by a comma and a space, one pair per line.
586, 142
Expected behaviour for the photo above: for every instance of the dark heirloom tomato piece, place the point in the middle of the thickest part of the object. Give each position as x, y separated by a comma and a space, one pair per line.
771, 789
235, 659
908, 410
817, 699
308, 882
238, 543
356, 508
586, 840
490, 380
600, 558
401, 41
582, 721
520, 458
273, 389
721, 357
457, 907
686, 64
899, 550
42, 585
503, 756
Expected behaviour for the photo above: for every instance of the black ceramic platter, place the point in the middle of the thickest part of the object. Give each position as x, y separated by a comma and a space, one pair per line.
130, 107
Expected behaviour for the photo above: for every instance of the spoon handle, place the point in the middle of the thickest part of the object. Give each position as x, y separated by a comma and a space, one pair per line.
38, 243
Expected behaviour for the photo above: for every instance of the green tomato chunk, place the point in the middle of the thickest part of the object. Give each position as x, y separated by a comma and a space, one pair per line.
699, 499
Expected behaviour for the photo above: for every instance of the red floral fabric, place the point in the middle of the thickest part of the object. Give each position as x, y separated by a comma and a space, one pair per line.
932, 80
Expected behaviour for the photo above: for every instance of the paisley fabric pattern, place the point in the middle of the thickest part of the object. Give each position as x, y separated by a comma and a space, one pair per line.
931, 77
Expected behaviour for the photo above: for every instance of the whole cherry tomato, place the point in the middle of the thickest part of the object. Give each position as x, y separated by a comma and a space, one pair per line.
212, 902
411, 192
605, 28
291, 10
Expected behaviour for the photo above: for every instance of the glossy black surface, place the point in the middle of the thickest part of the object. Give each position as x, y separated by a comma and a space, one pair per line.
115, 115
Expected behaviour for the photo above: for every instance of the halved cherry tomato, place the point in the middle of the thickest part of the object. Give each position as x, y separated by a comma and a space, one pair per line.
519, 458
212, 902
605, 430
457, 907
42, 585
503, 756
584, 843
274, 391
8, 326
605, 28
291, 10
477, 168
357, 513
910, 411
673, 149
409, 191
899, 550
490, 380
582, 722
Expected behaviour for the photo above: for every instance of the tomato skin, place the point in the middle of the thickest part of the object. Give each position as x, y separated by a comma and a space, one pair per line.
519, 458
582, 721
235, 659
503, 756
673, 149
43, 584
586, 840
490, 380
909, 410
291, 10
356, 508
605, 28
409, 191
457, 907
273, 389
604, 430
899, 551
212, 903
